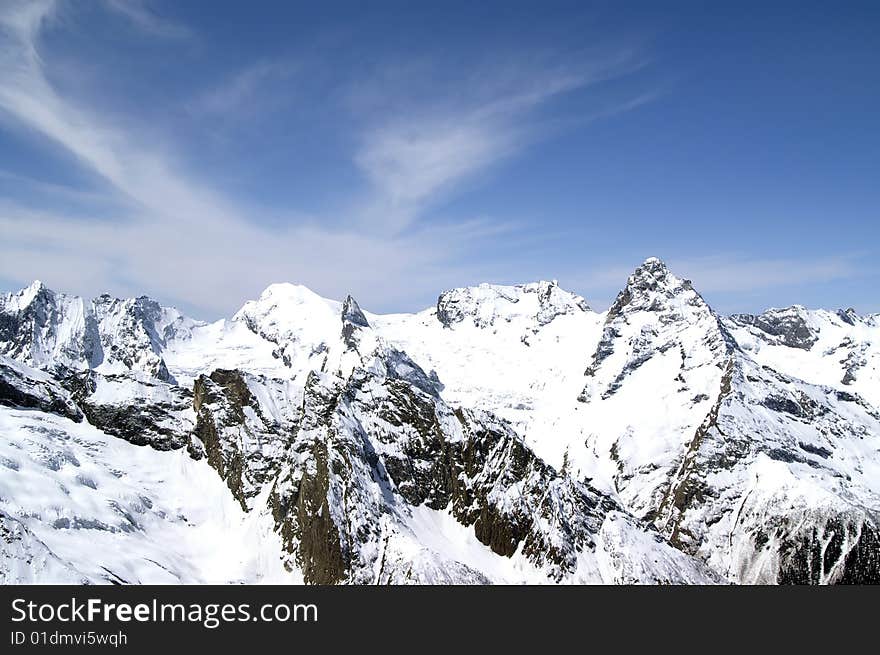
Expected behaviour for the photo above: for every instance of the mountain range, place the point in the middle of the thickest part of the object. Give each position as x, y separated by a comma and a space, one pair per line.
509, 434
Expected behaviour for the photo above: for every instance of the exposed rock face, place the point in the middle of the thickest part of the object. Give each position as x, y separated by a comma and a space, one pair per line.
787, 327
353, 320
835, 348
849, 316
489, 304
22, 386
49, 331
822, 548
327, 504
105, 357
752, 490
139, 320
352, 314
370, 446
655, 314
471, 462
57, 333
855, 360
490, 462
242, 438
370, 449
143, 411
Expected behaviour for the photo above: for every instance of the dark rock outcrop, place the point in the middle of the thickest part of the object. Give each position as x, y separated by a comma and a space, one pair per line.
489, 304
27, 388
239, 439
786, 327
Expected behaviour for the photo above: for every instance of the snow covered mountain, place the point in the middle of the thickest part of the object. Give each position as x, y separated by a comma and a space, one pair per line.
766, 477
509, 434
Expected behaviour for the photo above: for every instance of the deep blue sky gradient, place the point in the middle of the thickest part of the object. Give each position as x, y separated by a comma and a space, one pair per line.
738, 142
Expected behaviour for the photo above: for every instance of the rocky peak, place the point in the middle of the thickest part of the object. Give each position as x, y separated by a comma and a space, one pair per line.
56, 332
533, 305
849, 316
790, 326
143, 308
353, 321
48, 330
656, 315
142, 314
351, 313
28, 295
653, 287
34, 297
135, 331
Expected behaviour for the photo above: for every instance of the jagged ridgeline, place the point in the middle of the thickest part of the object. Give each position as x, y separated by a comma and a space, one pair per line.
509, 434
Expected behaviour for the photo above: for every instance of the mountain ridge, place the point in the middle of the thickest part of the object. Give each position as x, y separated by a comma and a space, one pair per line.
297, 402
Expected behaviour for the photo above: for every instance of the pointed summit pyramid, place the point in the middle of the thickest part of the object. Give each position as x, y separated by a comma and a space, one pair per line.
656, 312
712, 447
652, 286
351, 313
353, 320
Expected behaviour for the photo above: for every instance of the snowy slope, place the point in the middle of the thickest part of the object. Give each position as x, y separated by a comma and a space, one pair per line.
103, 510
649, 383
781, 483
525, 371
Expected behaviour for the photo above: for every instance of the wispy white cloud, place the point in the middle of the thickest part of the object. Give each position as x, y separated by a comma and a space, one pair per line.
144, 18
45, 190
244, 91
212, 267
179, 238
422, 146
182, 239
411, 163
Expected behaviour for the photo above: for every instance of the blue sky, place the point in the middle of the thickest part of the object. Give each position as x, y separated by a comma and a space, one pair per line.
199, 151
